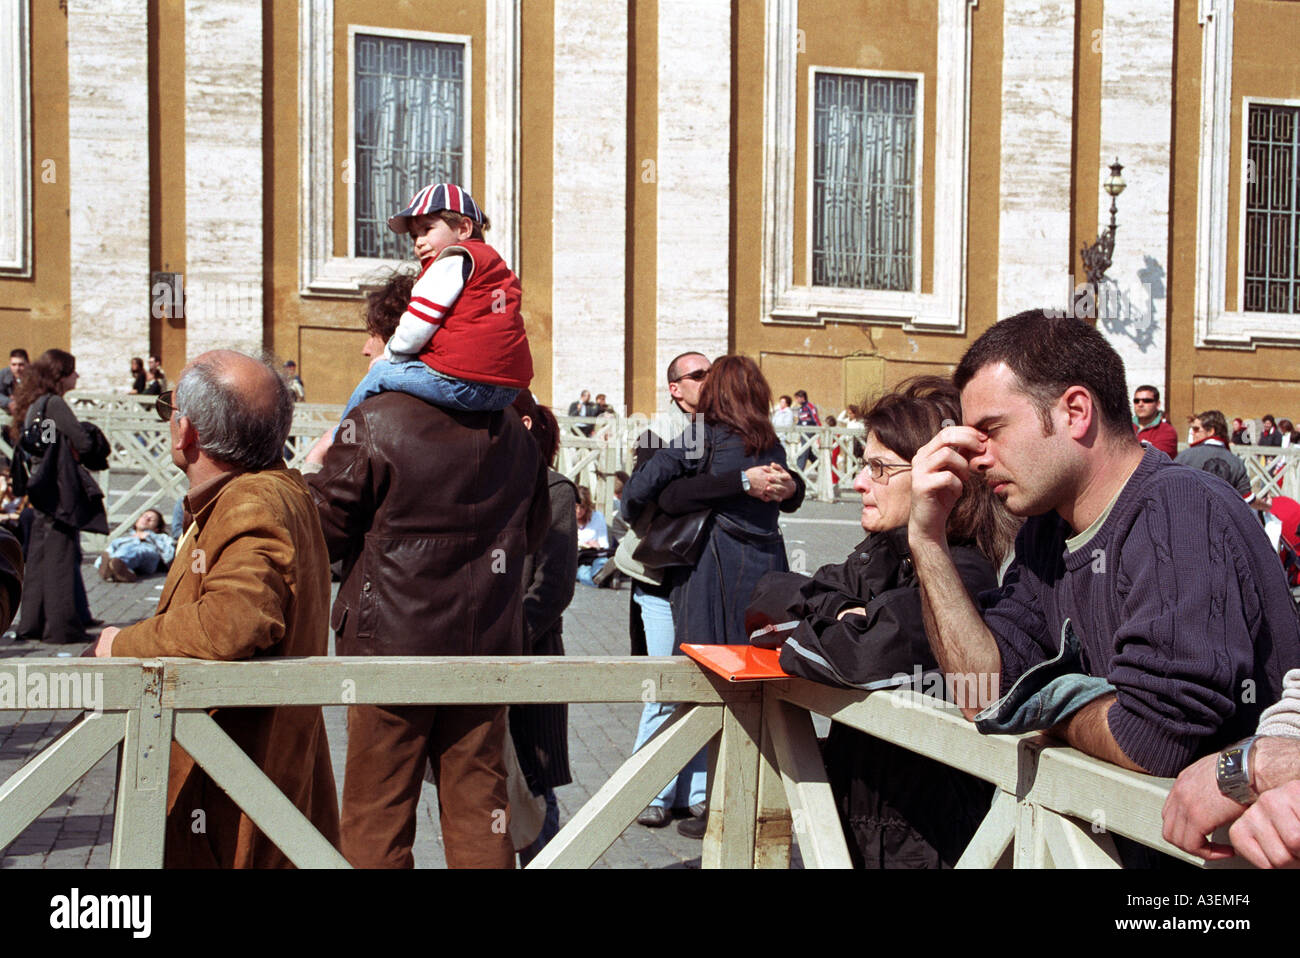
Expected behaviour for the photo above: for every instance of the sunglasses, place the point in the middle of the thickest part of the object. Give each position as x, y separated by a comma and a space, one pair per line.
879, 468
1143, 399
695, 377
163, 406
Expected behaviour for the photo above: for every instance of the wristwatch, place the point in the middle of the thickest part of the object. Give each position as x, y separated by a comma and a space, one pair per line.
1233, 771
744, 480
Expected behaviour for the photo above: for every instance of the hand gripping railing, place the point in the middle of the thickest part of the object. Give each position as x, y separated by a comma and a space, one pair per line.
1053, 806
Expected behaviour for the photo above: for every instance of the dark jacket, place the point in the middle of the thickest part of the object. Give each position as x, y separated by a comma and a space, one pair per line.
433, 513
541, 732
898, 809
73, 498
744, 541
859, 651
11, 577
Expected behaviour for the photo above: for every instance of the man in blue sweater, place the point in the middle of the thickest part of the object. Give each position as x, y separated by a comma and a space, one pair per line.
1145, 619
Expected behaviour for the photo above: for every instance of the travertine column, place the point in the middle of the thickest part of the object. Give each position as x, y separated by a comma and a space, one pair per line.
1136, 109
223, 176
1037, 119
108, 187
694, 180
588, 286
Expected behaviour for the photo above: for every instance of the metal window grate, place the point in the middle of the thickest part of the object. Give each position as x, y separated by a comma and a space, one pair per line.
864, 181
1272, 267
410, 125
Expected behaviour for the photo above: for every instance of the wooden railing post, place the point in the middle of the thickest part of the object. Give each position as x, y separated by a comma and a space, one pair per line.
733, 780
144, 760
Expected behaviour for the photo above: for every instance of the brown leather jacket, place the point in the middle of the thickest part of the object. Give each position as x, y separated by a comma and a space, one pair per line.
433, 513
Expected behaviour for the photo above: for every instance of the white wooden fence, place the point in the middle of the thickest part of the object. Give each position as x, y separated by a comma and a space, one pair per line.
1053, 806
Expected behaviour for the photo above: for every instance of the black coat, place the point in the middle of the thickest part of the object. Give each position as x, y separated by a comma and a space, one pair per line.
898, 809
541, 732
859, 651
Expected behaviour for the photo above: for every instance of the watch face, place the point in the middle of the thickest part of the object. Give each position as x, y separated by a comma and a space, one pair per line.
1230, 763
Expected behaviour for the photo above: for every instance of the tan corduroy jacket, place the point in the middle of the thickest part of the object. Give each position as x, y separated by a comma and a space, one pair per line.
250, 581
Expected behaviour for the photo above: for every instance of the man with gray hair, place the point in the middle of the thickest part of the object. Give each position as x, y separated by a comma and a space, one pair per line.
250, 581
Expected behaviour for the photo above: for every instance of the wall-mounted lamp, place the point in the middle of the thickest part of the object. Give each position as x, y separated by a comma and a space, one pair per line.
1096, 258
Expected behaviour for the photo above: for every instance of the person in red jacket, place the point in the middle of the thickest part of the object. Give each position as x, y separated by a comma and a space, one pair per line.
461, 342
1150, 423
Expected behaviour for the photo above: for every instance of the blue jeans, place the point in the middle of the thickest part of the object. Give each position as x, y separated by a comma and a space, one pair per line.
424, 382
140, 557
587, 573
688, 787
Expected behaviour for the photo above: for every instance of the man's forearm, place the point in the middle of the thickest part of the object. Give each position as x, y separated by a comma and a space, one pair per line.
1274, 761
1089, 731
959, 639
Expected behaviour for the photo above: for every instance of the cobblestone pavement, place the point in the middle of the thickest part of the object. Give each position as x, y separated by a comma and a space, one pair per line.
76, 830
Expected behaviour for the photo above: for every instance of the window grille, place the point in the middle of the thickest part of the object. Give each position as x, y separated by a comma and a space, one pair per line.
1272, 253
864, 181
409, 131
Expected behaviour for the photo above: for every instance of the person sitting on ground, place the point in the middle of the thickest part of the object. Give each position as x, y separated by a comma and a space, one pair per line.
146, 550
461, 343
593, 538
858, 624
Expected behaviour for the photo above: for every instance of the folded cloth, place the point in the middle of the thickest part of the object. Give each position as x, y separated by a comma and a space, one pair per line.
1048, 693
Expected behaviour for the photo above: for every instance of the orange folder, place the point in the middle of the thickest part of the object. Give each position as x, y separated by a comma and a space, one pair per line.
738, 663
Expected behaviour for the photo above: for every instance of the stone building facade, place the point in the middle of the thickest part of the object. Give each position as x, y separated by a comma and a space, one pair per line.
848, 190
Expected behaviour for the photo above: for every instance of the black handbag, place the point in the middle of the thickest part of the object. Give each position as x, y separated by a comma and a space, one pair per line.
33, 472
668, 541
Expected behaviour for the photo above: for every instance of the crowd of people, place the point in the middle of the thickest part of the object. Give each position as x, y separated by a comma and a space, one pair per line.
1028, 538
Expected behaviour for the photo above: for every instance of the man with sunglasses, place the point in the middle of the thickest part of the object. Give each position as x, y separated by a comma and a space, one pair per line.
1149, 421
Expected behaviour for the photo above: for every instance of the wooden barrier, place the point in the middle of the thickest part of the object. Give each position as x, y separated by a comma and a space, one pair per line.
1053, 807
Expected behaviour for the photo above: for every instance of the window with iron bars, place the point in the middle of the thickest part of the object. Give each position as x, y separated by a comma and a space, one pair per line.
864, 181
1271, 270
409, 131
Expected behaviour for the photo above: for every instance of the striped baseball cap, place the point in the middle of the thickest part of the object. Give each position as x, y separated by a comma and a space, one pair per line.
431, 199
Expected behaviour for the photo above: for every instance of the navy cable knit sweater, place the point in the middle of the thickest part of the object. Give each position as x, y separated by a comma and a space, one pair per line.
1178, 600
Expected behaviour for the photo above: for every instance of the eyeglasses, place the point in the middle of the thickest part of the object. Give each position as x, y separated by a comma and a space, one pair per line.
163, 406
879, 468
1144, 399
695, 377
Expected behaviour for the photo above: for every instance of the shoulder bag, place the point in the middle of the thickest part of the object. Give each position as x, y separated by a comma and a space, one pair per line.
667, 541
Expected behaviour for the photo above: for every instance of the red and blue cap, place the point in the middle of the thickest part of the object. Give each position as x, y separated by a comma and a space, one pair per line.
432, 199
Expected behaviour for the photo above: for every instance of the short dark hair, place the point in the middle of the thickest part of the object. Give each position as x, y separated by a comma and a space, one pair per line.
20, 354
545, 430
1151, 389
788, 400
800, 394
386, 303
1049, 354
1215, 422
672, 366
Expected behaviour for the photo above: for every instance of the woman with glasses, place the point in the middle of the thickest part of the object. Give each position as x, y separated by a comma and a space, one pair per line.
860, 627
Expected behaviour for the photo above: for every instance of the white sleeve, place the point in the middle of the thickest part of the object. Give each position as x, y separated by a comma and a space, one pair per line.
433, 295
1283, 716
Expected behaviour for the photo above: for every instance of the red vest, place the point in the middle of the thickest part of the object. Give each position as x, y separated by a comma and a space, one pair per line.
482, 338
